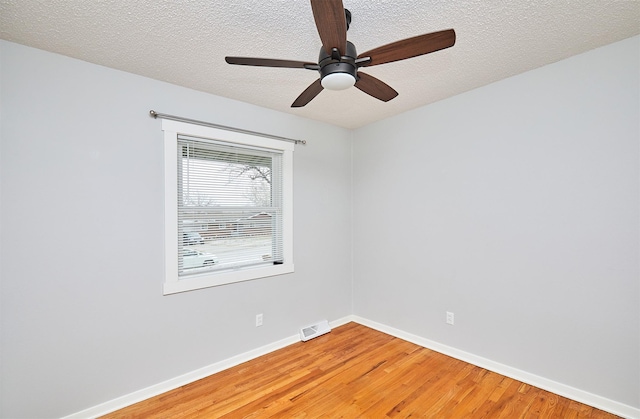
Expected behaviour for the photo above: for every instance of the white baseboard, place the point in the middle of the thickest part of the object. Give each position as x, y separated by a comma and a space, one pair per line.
532, 379
560, 389
342, 321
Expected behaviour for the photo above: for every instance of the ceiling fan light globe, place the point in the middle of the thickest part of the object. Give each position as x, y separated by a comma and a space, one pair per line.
338, 81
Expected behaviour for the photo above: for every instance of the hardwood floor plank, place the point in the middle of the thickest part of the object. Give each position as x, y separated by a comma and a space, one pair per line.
357, 372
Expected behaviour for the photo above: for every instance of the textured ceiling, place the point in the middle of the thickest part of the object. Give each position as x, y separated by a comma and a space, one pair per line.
184, 42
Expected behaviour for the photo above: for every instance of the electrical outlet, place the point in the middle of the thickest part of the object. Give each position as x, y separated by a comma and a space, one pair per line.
449, 318
259, 319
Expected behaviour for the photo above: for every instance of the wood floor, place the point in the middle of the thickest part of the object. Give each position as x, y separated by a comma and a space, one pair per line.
357, 372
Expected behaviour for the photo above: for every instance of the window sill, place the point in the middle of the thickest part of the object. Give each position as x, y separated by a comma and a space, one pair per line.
207, 280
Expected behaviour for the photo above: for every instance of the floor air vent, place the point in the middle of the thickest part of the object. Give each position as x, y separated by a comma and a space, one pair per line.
314, 330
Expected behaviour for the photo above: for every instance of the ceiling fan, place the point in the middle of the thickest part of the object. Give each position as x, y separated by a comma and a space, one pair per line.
339, 63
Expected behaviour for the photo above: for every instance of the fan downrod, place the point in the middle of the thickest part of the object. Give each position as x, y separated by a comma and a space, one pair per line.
347, 15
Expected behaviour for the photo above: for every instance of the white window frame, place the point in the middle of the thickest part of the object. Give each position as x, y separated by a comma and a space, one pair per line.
173, 284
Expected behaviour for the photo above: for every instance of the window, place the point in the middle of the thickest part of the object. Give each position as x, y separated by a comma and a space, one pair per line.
228, 206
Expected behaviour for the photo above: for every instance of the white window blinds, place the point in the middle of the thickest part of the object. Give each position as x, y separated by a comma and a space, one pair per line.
230, 200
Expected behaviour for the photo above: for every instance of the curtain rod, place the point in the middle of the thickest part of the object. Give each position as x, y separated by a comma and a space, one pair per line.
156, 115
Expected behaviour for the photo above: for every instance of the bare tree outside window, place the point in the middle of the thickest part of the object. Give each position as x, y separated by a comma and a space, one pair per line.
259, 190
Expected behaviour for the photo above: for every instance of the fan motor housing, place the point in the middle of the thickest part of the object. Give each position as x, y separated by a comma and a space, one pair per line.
345, 64
341, 67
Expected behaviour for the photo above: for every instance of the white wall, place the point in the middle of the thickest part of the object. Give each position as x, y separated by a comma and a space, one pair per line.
515, 206
84, 320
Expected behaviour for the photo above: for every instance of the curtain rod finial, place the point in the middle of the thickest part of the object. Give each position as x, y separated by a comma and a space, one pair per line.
153, 113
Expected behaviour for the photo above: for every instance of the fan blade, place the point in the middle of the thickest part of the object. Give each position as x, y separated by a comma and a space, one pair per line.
331, 23
410, 47
375, 87
268, 62
308, 94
